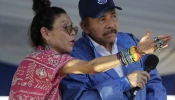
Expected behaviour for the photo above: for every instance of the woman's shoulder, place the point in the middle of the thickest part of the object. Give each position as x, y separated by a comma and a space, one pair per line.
49, 57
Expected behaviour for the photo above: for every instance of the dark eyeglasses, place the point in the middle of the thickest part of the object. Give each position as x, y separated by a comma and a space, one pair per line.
69, 29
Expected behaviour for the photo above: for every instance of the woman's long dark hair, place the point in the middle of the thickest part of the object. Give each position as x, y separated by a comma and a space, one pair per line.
45, 16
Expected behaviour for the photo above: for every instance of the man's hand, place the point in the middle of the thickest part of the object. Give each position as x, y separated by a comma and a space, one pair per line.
138, 78
148, 45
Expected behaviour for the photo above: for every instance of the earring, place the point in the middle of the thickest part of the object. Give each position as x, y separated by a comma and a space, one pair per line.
47, 47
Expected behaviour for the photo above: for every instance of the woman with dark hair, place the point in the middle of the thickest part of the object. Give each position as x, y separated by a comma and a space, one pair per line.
52, 35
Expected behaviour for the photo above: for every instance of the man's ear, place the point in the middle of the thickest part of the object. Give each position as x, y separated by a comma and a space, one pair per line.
45, 33
83, 26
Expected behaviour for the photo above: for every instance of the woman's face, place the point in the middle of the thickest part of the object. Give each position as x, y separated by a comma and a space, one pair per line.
62, 37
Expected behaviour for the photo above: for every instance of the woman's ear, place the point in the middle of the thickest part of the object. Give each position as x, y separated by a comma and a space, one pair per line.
45, 33
84, 27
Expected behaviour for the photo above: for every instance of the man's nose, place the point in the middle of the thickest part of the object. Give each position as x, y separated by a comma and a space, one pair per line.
110, 23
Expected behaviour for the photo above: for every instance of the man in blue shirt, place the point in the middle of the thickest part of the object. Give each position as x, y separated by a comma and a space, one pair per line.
101, 38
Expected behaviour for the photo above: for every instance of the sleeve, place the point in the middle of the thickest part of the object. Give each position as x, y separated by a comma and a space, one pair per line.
57, 62
51, 64
80, 87
155, 89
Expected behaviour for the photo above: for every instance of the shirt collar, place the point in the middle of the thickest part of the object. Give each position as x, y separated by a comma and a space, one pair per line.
97, 45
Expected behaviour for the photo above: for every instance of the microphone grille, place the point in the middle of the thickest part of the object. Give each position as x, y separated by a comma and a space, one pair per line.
152, 61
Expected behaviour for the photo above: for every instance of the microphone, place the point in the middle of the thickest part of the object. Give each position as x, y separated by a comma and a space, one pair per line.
150, 64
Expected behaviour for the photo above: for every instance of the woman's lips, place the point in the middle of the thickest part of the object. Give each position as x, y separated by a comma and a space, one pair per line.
73, 41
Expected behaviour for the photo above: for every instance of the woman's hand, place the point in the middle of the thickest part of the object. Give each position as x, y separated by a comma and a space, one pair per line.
148, 45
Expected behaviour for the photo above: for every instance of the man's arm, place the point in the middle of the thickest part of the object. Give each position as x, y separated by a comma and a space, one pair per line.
155, 89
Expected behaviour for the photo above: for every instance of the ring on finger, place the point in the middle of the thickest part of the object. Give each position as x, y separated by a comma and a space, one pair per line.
159, 43
156, 39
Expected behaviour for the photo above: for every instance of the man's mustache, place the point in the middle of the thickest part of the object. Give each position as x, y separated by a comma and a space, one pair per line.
113, 30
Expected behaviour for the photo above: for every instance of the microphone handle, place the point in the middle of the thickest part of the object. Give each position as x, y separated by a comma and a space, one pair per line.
135, 90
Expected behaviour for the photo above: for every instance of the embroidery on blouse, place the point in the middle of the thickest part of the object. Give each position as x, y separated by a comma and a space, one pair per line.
36, 77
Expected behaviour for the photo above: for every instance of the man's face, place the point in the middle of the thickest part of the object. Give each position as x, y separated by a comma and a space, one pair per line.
103, 30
